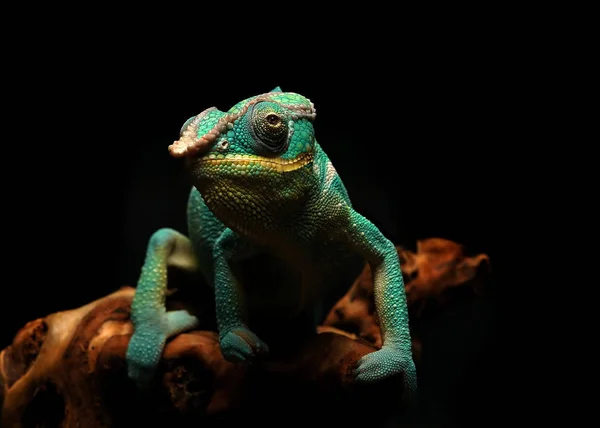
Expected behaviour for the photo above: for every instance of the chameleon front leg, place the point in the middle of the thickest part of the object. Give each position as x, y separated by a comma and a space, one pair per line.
395, 356
236, 340
153, 325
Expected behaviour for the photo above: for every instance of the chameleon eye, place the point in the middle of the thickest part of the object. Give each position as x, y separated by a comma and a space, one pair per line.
273, 119
269, 127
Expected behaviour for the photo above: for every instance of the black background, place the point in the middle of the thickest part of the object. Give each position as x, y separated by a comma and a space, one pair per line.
417, 143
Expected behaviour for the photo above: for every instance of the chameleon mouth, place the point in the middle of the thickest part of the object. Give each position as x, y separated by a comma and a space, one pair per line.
274, 164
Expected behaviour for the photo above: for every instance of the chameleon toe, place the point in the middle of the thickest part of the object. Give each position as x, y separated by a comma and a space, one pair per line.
143, 354
385, 363
379, 365
241, 344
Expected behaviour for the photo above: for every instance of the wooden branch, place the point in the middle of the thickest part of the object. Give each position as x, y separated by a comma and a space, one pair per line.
69, 370
436, 268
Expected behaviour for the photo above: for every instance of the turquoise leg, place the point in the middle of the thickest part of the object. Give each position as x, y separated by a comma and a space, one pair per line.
237, 342
153, 325
395, 356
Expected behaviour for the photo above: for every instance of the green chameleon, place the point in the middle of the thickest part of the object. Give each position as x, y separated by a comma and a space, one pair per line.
265, 193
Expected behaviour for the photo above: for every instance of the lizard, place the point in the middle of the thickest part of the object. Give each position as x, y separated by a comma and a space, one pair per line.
264, 189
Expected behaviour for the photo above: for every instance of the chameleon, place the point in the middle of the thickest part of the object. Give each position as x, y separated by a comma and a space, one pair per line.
264, 194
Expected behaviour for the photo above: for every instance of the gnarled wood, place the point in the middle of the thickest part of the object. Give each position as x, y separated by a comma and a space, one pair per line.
437, 266
69, 370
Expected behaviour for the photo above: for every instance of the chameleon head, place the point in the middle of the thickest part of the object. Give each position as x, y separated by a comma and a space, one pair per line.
254, 158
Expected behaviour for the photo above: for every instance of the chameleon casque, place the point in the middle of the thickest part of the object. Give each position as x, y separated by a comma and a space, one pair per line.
264, 190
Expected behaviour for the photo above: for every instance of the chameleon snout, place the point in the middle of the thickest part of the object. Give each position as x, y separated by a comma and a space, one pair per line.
189, 144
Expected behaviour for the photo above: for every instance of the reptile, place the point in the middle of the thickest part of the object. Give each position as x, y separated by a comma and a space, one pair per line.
265, 195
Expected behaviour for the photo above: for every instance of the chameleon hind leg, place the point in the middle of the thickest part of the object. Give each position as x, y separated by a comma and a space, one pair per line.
153, 325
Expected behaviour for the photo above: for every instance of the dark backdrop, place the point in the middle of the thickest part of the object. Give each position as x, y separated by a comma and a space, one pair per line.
89, 176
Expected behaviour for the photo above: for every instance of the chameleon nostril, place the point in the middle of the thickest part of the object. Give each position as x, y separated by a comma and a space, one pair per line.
223, 145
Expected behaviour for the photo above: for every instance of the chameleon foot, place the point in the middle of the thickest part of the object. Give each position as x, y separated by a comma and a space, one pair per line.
148, 342
385, 363
240, 344
143, 354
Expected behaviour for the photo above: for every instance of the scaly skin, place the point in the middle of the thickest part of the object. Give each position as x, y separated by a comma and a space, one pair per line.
265, 191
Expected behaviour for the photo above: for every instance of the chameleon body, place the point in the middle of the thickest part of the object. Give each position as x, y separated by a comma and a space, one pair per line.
265, 192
